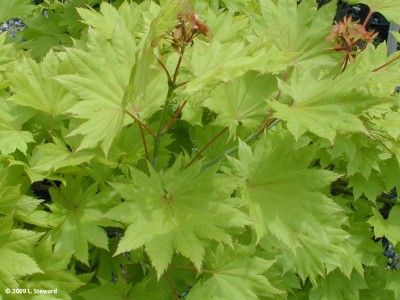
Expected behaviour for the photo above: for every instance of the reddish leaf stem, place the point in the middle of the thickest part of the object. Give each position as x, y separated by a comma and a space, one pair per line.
174, 117
206, 146
368, 17
165, 69
178, 66
146, 150
141, 123
387, 63
171, 285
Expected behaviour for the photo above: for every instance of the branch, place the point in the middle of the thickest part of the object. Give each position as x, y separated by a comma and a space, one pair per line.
178, 65
158, 137
146, 150
175, 116
206, 146
141, 123
171, 285
387, 63
165, 69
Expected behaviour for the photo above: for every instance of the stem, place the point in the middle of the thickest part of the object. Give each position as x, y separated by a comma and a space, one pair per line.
178, 65
171, 285
387, 63
251, 138
368, 17
158, 137
165, 69
146, 150
141, 123
206, 146
181, 84
176, 115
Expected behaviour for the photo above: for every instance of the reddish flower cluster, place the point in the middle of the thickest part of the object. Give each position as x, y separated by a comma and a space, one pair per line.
348, 36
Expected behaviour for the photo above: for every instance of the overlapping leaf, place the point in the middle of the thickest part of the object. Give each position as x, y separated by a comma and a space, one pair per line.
77, 214
15, 260
15, 8
323, 106
176, 211
284, 199
389, 228
235, 274
242, 102
34, 86
101, 80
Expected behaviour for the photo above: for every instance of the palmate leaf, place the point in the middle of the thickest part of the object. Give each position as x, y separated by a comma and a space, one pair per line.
77, 214
338, 286
101, 79
33, 86
15, 8
55, 274
242, 101
284, 198
389, 228
285, 21
235, 274
176, 211
323, 106
388, 8
15, 245
12, 137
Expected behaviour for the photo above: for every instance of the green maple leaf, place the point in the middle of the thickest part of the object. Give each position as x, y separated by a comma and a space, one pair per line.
389, 228
12, 137
55, 275
337, 286
12, 201
242, 101
77, 216
33, 86
371, 187
284, 198
390, 124
15, 8
15, 260
235, 274
101, 81
283, 24
388, 8
46, 159
323, 106
176, 211
109, 291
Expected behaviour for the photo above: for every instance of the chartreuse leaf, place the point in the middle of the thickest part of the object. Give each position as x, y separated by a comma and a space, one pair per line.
388, 8
284, 198
101, 77
150, 288
109, 291
33, 86
242, 101
12, 201
46, 159
215, 62
389, 228
390, 124
286, 21
337, 286
178, 211
77, 216
323, 106
55, 274
15, 245
235, 274
12, 137
15, 8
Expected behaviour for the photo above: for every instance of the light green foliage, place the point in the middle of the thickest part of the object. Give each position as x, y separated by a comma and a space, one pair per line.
211, 149
77, 214
177, 212
102, 75
15, 8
